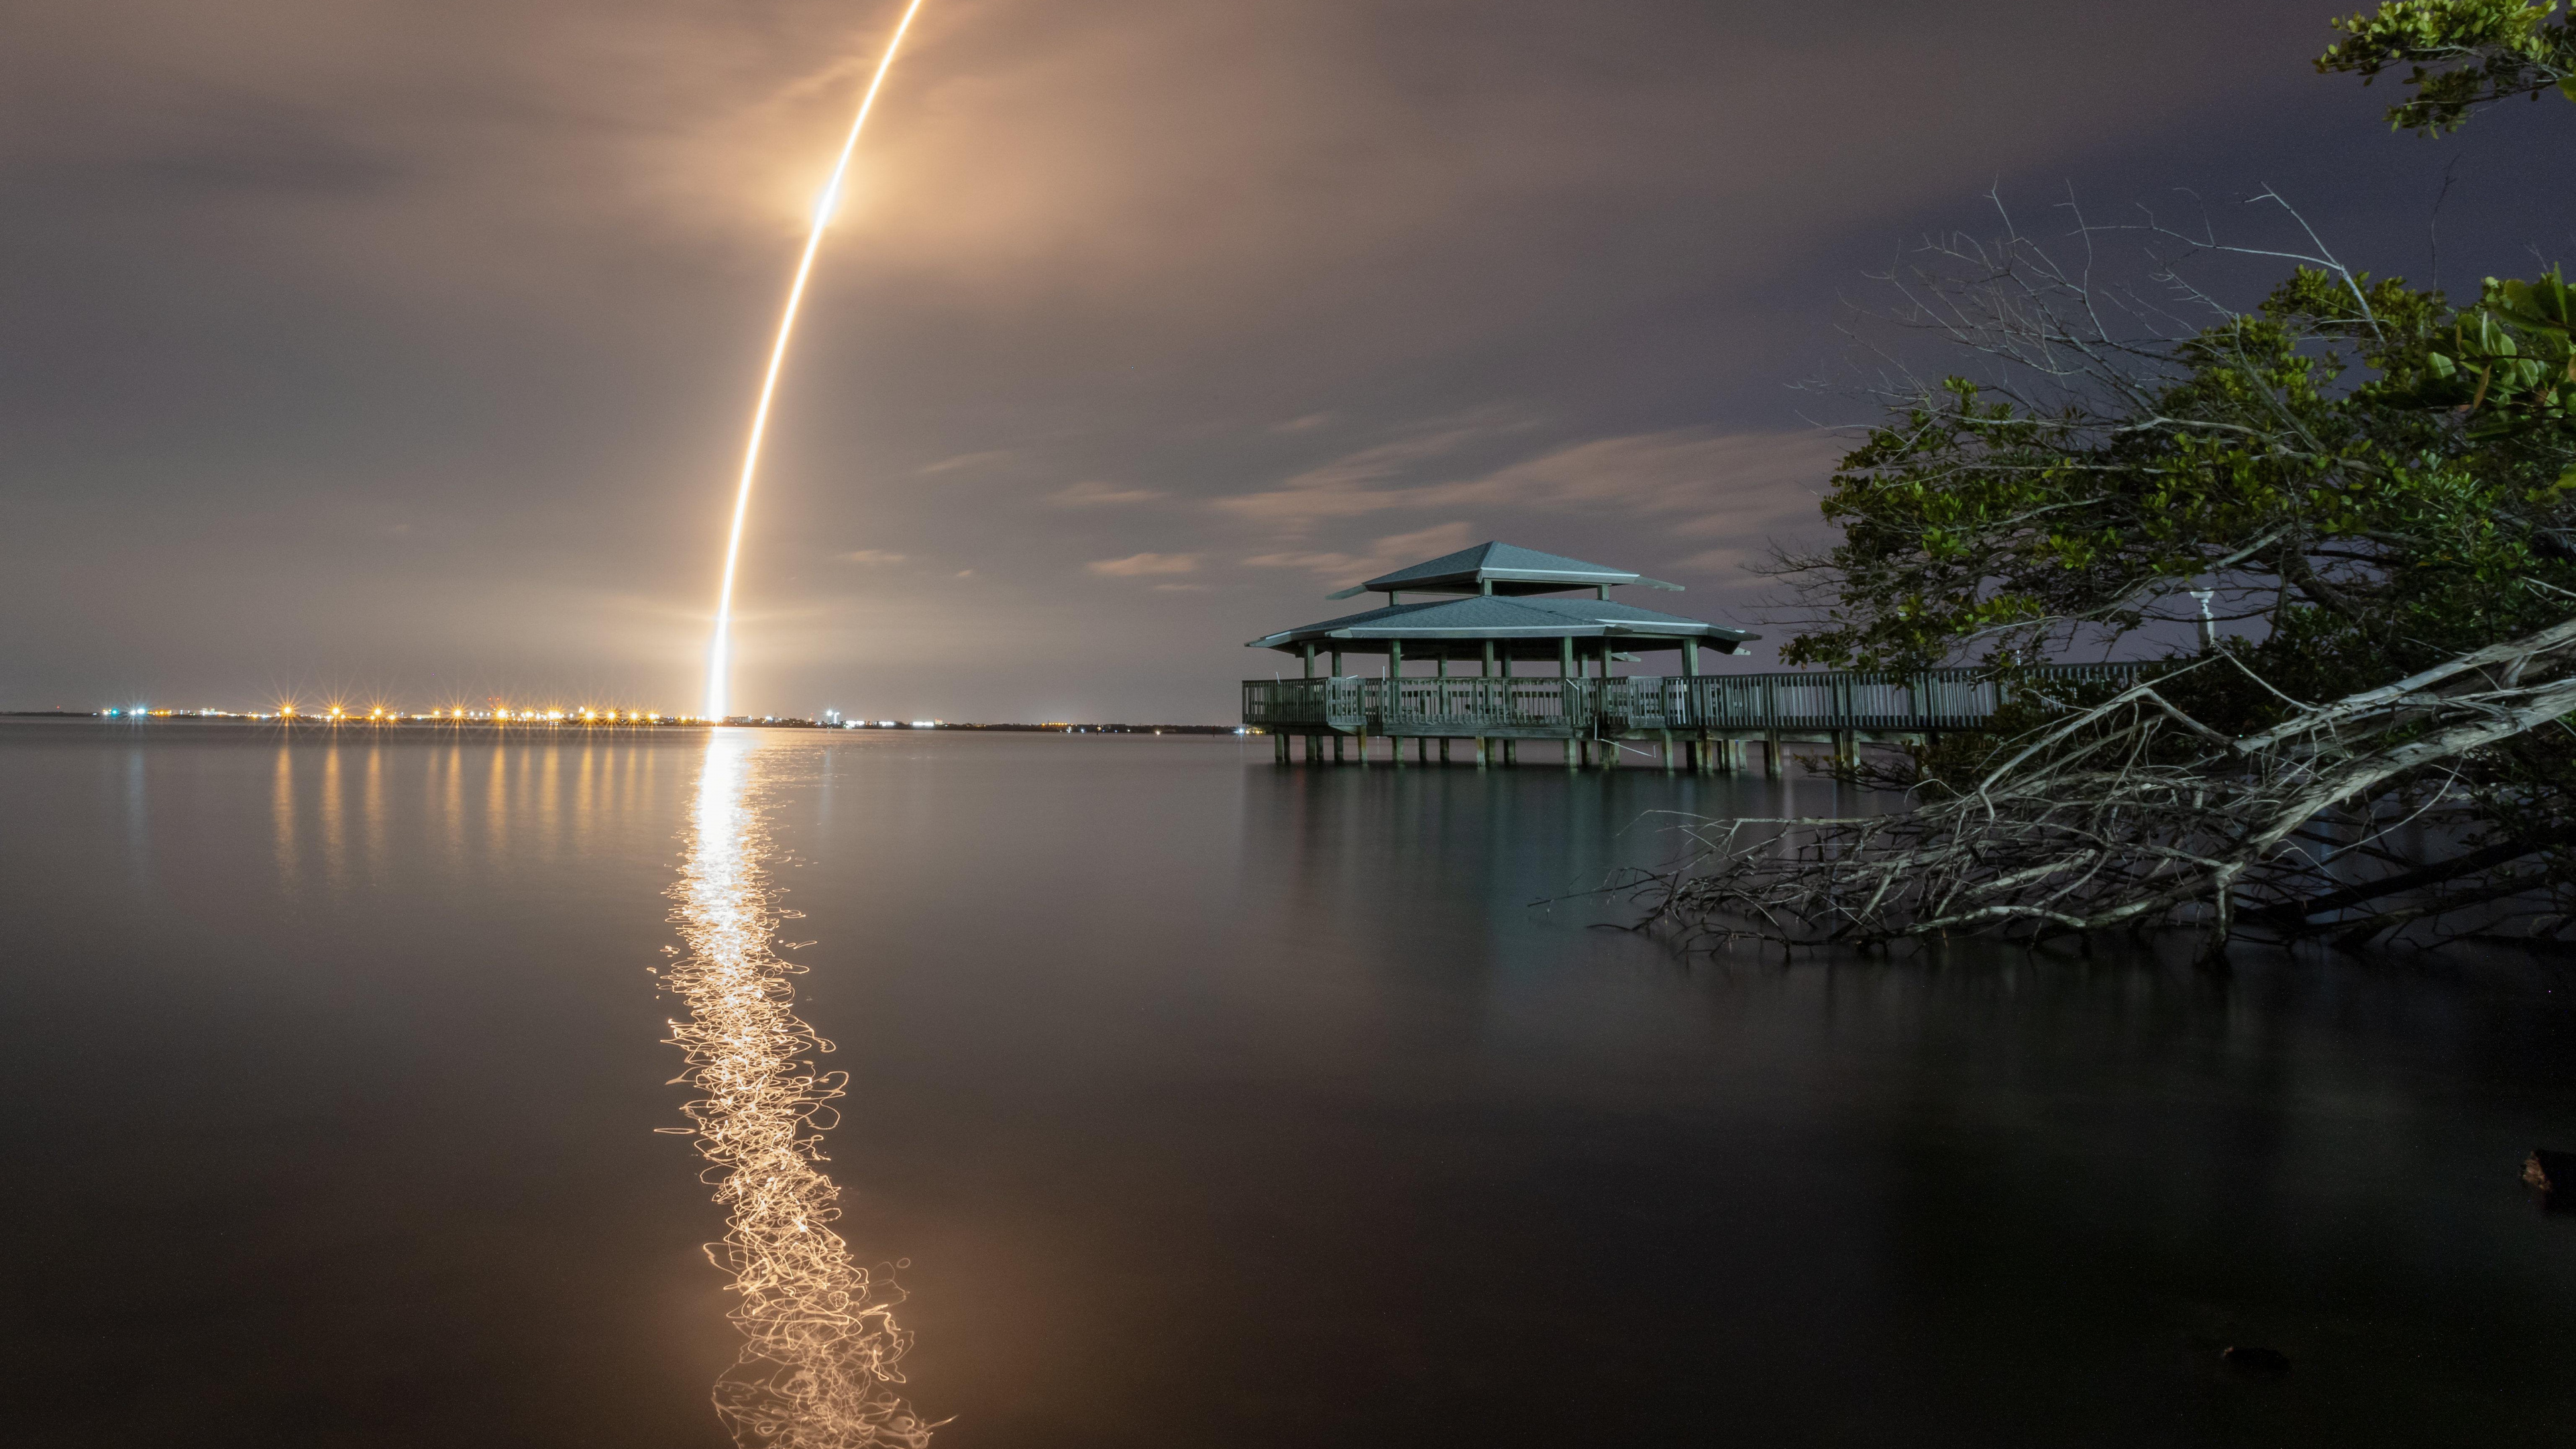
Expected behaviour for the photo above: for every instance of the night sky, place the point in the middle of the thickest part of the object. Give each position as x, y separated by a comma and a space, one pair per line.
403, 351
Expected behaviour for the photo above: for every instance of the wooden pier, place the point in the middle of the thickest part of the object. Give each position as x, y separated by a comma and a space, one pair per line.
1701, 722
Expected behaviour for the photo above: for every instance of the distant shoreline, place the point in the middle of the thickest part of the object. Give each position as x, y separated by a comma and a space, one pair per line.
780, 722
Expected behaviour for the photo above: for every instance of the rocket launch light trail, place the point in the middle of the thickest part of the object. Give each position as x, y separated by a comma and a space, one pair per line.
719, 655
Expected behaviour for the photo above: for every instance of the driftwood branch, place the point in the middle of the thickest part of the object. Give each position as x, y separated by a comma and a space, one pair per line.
2131, 812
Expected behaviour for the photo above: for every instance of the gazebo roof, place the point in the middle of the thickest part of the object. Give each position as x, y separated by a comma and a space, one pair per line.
1506, 568
1504, 620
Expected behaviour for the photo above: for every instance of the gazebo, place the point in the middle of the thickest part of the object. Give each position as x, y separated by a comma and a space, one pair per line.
1493, 607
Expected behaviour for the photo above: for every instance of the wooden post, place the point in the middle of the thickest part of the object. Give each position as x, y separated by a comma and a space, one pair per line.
1565, 694
1605, 750
1310, 659
1695, 739
1486, 699
1279, 748
1668, 752
1440, 671
1336, 660
1394, 697
1480, 752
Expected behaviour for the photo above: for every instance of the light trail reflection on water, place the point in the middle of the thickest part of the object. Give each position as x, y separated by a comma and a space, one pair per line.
821, 1349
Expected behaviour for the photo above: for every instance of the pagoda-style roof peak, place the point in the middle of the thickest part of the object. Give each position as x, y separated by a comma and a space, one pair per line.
1500, 568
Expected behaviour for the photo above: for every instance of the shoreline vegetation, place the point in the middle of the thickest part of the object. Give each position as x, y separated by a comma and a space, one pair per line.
2360, 498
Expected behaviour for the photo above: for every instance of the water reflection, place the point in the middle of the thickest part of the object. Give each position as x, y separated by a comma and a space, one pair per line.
821, 1346
282, 815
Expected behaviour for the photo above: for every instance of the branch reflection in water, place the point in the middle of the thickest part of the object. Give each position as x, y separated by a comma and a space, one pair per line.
821, 1344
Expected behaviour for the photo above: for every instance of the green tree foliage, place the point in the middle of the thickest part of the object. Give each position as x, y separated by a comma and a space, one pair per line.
2506, 362
2462, 54
2363, 493
2357, 466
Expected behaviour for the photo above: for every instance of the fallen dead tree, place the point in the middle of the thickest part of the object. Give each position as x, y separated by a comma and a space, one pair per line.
2374, 814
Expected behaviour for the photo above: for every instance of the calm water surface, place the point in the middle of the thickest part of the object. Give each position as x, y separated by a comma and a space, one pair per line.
1203, 1103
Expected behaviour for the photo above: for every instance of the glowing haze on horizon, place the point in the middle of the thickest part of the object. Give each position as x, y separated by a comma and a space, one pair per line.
720, 649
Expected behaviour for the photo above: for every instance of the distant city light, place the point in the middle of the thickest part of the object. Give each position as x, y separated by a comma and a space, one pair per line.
522, 715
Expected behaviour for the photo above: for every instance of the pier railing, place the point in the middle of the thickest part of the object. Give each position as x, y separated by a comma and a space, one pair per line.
1799, 702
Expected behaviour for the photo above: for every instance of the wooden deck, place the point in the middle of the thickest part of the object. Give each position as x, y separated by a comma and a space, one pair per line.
1710, 718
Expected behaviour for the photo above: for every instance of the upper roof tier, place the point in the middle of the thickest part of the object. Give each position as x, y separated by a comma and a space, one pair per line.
1500, 568
1525, 628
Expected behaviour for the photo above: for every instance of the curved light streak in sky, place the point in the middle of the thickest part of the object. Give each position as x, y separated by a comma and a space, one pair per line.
720, 654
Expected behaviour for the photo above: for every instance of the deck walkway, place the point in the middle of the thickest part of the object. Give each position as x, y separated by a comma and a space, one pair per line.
1709, 719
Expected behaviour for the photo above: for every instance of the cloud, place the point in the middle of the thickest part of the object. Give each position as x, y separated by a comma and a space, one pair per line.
1139, 565
1701, 480
872, 557
1343, 488
987, 459
1387, 554
1100, 495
